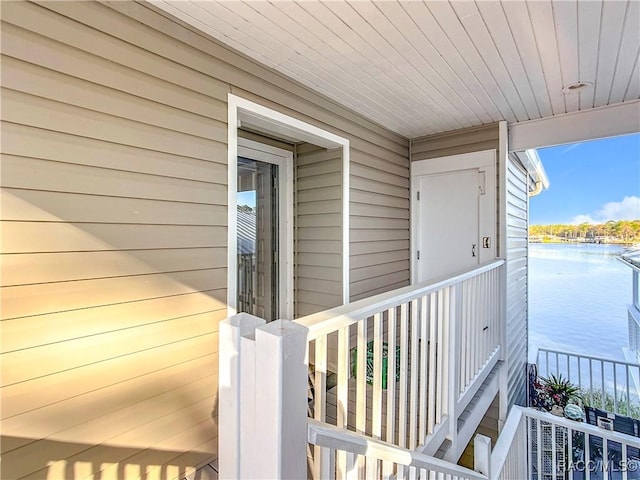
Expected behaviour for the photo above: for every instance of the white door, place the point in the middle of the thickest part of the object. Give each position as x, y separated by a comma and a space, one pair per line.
449, 223
453, 214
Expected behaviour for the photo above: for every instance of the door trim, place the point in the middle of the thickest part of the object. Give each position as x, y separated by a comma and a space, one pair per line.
276, 124
484, 160
284, 160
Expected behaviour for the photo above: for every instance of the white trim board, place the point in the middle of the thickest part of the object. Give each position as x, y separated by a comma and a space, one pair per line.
601, 122
263, 119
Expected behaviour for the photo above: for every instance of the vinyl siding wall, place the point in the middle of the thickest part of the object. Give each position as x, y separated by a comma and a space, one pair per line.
318, 229
517, 283
379, 222
474, 139
114, 228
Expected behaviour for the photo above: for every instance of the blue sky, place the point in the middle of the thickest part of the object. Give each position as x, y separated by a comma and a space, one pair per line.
590, 182
247, 198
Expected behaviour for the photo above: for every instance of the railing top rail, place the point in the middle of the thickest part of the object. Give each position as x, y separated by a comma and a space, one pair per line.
329, 436
582, 427
505, 439
629, 263
328, 321
588, 357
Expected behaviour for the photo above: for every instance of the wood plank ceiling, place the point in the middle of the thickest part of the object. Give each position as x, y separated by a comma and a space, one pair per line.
419, 68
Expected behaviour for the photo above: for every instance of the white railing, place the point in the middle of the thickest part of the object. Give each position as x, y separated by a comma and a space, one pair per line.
604, 383
405, 361
632, 260
560, 448
538, 445
510, 457
365, 457
442, 340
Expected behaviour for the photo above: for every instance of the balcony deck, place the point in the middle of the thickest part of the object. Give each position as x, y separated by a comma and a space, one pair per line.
206, 472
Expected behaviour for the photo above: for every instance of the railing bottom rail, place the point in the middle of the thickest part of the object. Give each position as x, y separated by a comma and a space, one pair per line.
343, 449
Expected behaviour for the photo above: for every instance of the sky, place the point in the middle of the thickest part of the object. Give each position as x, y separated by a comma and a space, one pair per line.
247, 198
589, 182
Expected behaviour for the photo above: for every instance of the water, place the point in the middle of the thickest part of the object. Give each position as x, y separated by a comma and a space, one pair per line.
578, 296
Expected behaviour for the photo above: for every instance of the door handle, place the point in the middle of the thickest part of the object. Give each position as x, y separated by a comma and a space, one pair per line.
473, 250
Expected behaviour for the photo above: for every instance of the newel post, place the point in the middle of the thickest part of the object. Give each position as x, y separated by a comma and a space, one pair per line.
281, 381
482, 455
232, 361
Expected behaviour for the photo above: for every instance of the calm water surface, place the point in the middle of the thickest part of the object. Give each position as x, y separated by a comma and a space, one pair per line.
578, 296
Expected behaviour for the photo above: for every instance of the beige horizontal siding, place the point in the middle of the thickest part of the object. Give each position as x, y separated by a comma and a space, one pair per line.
53, 115
467, 140
39, 299
318, 229
114, 251
27, 78
86, 208
379, 226
24, 172
85, 322
114, 214
30, 237
29, 142
74, 266
138, 370
258, 137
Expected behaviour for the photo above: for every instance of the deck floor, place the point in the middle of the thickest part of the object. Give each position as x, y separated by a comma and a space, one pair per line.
207, 472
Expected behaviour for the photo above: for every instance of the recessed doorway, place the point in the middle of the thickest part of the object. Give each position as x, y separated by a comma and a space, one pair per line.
269, 293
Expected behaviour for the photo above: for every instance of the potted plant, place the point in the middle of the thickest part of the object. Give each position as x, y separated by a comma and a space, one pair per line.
560, 392
554, 393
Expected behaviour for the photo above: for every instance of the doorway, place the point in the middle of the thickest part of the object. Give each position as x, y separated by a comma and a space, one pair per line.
253, 117
264, 230
453, 214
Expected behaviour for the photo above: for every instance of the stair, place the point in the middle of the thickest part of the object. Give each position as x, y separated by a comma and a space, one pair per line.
470, 418
444, 448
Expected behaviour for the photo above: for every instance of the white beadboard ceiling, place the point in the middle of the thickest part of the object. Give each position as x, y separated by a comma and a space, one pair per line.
419, 68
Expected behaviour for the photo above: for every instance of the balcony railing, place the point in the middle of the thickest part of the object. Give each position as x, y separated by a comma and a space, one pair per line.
604, 383
402, 367
532, 445
407, 361
538, 445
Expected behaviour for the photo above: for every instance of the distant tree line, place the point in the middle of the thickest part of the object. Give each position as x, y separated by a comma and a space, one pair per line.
611, 231
245, 208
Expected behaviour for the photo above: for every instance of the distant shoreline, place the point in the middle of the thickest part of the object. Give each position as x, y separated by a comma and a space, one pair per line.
581, 241
612, 232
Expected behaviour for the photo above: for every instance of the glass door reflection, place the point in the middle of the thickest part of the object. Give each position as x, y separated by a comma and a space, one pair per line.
258, 238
